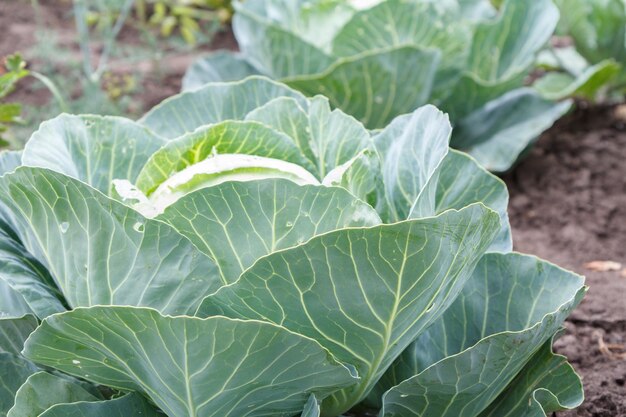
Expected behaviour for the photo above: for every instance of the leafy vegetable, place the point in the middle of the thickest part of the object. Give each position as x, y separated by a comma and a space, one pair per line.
11, 72
19, 370
465, 342
390, 58
594, 68
30, 401
211, 367
244, 250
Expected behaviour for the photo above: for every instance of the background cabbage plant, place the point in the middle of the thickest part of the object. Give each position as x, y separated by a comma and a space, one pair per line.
376, 63
243, 250
594, 67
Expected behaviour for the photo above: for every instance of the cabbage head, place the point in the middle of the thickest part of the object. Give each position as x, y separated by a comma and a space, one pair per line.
245, 251
387, 58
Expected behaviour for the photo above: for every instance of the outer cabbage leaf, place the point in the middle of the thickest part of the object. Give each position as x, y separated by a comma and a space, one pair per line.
9, 160
587, 85
506, 47
27, 280
190, 366
14, 332
12, 304
512, 305
372, 86
597, 26
270, 33
288, 116
311, 25
396, 23
334, 137
501, 53
411, 148
363, 293
475, 10
94, 149
100, 251
19, 369
275, 51
461, 181
236, 223
43, 390
566, 58
216, 67
312, 408
360, 175
470, 93
500, 131
328, 138
131, 404
213, 103
546, 384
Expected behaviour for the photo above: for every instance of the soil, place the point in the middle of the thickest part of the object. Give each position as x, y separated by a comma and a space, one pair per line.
568, 205
568, 198
161, 76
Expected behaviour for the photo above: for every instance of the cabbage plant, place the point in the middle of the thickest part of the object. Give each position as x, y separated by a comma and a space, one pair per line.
594, 66
393, 56
243, 250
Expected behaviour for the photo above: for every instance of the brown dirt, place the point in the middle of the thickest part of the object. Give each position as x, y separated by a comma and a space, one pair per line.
568, 205
18, 22
19, 28
160, 76
156, 89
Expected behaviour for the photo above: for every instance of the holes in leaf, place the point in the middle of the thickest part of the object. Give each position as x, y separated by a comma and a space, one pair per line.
138, 227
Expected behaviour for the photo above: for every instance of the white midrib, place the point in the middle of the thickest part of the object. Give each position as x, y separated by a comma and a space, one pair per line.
190, 406
357, 396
